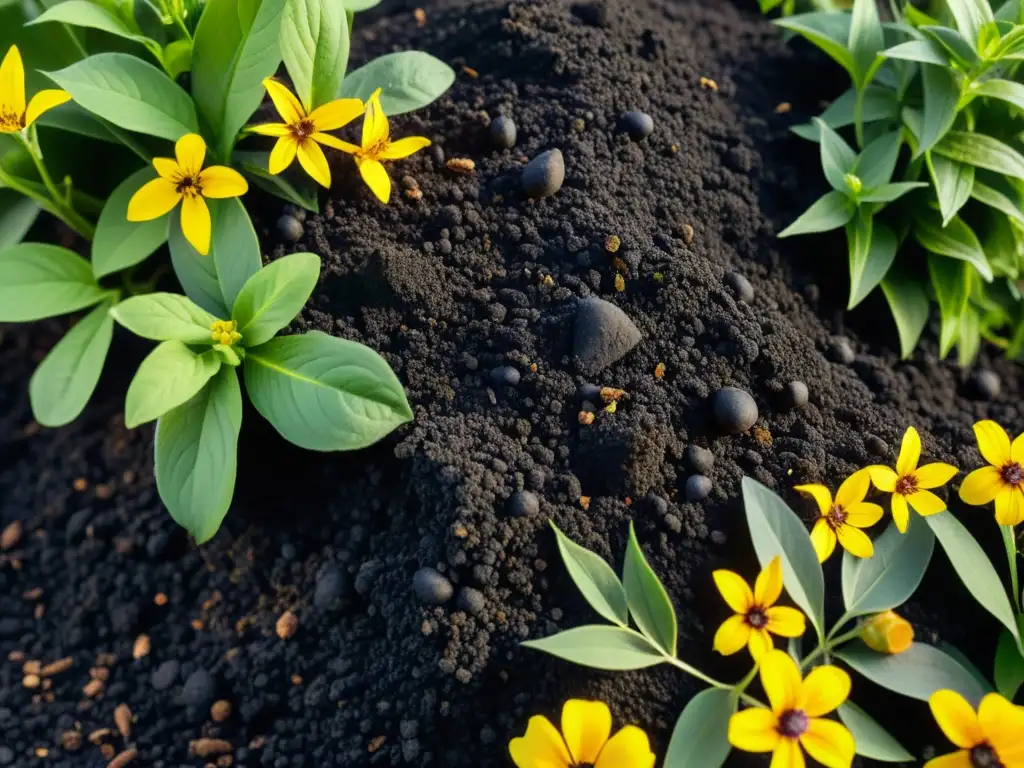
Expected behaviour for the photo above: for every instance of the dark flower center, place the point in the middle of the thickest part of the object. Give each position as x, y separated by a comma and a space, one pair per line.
906, 485
9, 121
983, 756
1013, 473
303, 130
793, 723
836, 517
188, 186
757, 618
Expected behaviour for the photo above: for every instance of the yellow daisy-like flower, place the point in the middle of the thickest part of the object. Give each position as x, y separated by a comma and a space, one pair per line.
584, 741
757, 617
15, 116
795, 718
887, 632
842, 519
994, 736
301, 134
185, 181
1003, 480
377, 145
911, 484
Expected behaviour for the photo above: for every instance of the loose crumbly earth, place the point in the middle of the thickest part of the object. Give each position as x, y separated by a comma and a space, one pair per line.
470, 277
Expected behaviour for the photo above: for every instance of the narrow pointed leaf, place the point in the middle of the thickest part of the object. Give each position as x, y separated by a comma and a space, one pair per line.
649, 603
908, 303
601, 647
837, 158
917, 672
956, 240
983, 152
953, 183
595, 579
872, 248
877, 162
970, 16
922, 51
831, 211
872, 740
941, 97
701, 734
1008, 670
951, 282
887, 579
828, 31
995, 199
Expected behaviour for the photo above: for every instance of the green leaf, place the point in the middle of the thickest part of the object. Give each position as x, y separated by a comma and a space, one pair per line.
777, 531
866, 37
314, 45
917, 672
237, 45
273, 296
880, 103
872, 248
82, 13
38, 281
923, 51
595, 579
325, 394
953, 184
196, 455
837, 158
941, 97
1008, 672
951, 282
120, 243
649, 603
356, 6
178, 57
877, 162
955, 43
995, 199
292, 188
831, 211
17, 215
408, 80
983, 152
1004, 90
889, 192
971, 16
956, 240
61, 386
969, 338
601, 647
974, 569
828, 31
170, 375
165, 317
908, 303
701, 735
887, 579
872, 740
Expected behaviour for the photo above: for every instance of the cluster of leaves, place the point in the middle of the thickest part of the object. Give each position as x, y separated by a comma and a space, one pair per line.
121, 62
948, 90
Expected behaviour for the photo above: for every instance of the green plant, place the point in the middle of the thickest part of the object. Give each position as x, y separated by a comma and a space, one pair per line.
790, 7
949, 90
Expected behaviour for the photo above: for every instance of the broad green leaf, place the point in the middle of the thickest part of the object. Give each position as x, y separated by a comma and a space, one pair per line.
877, 162
293, 188
1008, 670
38, 281
237, 45
837, 158
951, 282
941, 96
866, 36
61, 386
408, 80
831, 211
1004, 90
325, 394
908, 303
120, 243
595, 579
983, 152
956, 240
314, 45
953, 183
82, 13
954, 43
889, 192
971, 16
165, 317
776, 530
923, 51
872, 248
74, 119
880, 103
828, 31
1009, 11
974, 569
701, 735
178, 57
872, 740
887, 579
356, 6
196, 273
917, 672
273, 296
995, 199
17, 215
649, 603
170, 375
196, 455
601, 647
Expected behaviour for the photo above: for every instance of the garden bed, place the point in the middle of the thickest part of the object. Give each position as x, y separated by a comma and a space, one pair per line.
456, 284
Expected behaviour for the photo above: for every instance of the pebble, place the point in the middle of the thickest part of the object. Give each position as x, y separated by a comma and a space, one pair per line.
842, 352
471, 600
735, 410
290, 228
523, 504
505, 375
543, 176
639, 125
674, 523
165, 675
329, 587
986, 384
367, 576
603, 334
876, 445
658, 503
199, 689
431, 587
698, 488
797, 394
700, 459
718, 537
744, 290
503, 132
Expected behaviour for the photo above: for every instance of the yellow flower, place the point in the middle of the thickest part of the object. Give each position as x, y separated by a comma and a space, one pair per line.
1003, 480
184, 180
887, 633
992, 737
14, 116
584, 740
377, 146
842, 519
223, 332
757, 617
910, 484
795, 718
302, 134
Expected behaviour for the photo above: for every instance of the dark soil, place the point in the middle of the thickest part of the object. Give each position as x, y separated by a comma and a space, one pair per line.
469, 278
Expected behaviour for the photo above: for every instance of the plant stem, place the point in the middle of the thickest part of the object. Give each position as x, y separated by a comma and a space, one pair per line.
61, 206
1011, 556
830, 643
711, 681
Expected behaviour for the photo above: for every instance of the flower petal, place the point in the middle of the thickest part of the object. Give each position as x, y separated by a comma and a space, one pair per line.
154, 199
993, 442
335, 114
926, 503
935, 475
196, 224
734, 590
768, 586
1017, 449
829, 742
910, 452
961, 759
788, 755
44, 101
863, 515
981, 486
900, 512
1003, 725
855, 541
375, 124
586, 726
821, 495
376, 178
334, 143
780, 678
754, 730
167, 168
759, 643
12, 82
402, 148
287, 105
282, 155
540, 747
785, 621
271, 129
956, 718
823, 690
629, 746
854, 488
219, 181
884, 478
824, 540
1010, 506
732, 635
191, 153
314, 162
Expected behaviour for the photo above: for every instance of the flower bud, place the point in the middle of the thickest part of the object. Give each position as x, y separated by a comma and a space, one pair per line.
854, 183
887, 633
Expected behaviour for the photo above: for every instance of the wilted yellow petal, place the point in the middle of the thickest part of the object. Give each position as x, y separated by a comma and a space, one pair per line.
884, 478
824, 689
854, 489
780, 678
195, 223
376, 178
44, 101
219, 181
821, 495
734, 590
191, 153
829, 742
397, 150
768, 586
732, 636
863, 515
586, 726
824, 540
542, 745
375, 124
785, 621
288, 107
1010, 506
754, 730
313, 162
993, 442
981, 486
154, 199
910, 452
629, 746
935, 475
335, 114
956, 718
900, 512
926, 503
12, 83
